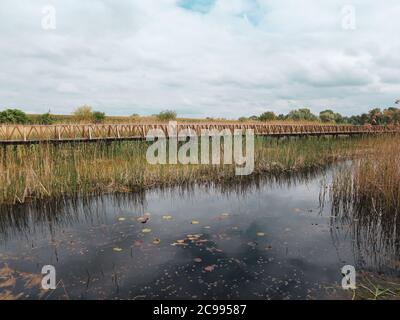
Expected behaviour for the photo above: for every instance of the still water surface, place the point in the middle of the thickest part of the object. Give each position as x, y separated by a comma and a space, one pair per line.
261, 240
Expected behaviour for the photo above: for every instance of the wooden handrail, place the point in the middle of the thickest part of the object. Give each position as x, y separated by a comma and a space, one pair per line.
25, 134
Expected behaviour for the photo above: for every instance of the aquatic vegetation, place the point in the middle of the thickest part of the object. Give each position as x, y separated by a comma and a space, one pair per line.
49, 171
365, 196
372, 182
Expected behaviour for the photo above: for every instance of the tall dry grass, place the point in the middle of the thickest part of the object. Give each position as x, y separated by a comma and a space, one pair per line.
50, 171
373, 180
365, 197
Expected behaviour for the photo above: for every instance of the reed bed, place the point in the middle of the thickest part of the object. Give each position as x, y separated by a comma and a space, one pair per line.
372, 181
50, 171
365, 196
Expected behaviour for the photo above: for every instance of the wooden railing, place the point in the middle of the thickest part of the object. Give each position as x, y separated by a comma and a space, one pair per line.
26, 134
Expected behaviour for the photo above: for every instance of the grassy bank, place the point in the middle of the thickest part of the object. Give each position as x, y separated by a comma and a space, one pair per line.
47, 171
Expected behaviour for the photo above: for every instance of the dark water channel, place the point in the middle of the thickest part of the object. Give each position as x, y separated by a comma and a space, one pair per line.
257, 240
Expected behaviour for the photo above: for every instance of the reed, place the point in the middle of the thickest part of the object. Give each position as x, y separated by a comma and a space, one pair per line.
372, 181
365, 197
49, 171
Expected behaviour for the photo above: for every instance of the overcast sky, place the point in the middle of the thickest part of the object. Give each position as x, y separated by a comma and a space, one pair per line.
219, 58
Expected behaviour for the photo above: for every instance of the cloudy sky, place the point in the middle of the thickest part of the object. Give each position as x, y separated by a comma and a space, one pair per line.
219, 58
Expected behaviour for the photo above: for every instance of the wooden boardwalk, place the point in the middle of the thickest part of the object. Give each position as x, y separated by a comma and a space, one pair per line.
34, 134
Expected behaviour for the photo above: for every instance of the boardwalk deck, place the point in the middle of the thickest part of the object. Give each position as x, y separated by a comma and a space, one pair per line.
35, 134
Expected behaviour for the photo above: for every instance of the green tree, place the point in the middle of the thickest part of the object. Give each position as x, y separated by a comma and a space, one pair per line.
83, 113
330, 116
327, 116
13, 116
267, 116
391, 115
303, 114
45, 119
166, 115
98, 117
375, 116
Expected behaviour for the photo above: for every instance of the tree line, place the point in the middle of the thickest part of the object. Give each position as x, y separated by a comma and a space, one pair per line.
85, 113
375, 116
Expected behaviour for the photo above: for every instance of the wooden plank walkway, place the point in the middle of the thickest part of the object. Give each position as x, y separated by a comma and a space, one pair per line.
66, 133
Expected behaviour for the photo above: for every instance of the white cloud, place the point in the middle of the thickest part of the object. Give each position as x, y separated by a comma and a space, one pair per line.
239, 58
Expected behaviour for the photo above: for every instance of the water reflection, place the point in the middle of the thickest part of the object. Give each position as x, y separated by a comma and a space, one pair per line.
264, 237
375, 235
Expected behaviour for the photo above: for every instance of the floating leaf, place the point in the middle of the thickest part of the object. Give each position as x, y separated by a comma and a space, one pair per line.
198, 260
117, 249
143, 219
207, 227
225, 214
209, 268
178, 244
193, 237
121, 219
167, 217
252, 244
147, 230
195, 222
260, 234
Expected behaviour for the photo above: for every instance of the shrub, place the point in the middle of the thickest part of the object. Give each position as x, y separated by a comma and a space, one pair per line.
301, 115
167, 115
267, 116
327, 116
14, 116
83, 113
98, 116
45, 119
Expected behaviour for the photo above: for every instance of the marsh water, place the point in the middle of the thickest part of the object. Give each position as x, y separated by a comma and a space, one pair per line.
259, 239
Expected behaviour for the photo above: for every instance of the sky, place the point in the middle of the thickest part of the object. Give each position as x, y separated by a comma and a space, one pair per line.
202, 58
